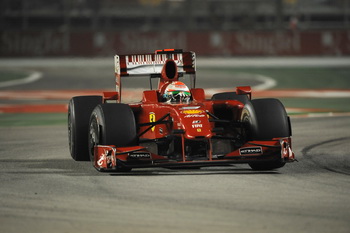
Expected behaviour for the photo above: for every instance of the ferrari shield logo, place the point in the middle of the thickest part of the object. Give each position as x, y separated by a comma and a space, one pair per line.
152, 118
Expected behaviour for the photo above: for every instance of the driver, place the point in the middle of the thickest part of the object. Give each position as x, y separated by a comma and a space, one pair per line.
177, 92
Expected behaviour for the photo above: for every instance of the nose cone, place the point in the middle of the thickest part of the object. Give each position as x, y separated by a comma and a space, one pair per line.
197, 130
196, 123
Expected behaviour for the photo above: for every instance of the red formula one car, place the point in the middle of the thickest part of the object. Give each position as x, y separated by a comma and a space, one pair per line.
175, 126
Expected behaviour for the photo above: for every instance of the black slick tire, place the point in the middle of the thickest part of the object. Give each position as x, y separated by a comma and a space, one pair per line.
79, 111
266, 119
112, 124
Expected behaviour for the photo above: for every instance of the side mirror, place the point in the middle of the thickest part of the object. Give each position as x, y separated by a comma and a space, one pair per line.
244, 90
110, 96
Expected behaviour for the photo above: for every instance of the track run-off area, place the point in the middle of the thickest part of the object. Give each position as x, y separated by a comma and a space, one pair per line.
15, 97
44, 190
136, 95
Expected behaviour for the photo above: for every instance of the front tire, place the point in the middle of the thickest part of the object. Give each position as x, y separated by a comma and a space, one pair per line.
266, 119
112, 124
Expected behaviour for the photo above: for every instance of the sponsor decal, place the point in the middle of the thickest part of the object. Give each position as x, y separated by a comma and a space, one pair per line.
107, 157
274, 43
250, 150
100, 161
137, 41
286, 150
190, 107
196, 122
195, 115
152, 118
41, 43
192, 111
140, 155
199, 130
197, 126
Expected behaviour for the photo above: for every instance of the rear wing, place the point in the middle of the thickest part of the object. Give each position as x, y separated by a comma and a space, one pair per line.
151, 64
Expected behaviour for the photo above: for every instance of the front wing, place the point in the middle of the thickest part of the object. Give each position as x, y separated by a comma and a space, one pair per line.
110, 158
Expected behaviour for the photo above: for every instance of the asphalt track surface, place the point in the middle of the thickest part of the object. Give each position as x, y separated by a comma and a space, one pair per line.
44, 190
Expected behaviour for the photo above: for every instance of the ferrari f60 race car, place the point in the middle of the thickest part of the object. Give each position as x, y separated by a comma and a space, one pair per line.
175, 126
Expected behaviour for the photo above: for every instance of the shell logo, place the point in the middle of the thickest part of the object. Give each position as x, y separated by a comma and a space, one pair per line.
192, 111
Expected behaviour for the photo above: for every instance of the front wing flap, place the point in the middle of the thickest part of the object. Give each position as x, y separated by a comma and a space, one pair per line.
111, 158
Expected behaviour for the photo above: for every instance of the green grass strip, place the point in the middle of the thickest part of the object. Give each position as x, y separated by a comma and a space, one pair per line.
32, 119
9, 75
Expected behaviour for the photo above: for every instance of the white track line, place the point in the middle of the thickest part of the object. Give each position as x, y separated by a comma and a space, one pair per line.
267, 82
34, 76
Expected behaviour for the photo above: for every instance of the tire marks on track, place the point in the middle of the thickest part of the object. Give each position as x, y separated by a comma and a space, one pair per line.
323, 155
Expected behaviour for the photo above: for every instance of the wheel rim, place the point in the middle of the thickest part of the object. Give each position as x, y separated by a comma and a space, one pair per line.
94, 138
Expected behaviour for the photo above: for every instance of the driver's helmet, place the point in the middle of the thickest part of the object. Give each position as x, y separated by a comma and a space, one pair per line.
177, 92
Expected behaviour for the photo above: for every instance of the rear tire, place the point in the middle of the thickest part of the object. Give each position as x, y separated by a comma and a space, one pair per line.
112, 124
266, 119
79, 112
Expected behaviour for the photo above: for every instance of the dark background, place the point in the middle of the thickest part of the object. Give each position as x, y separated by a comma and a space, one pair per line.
40, 28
